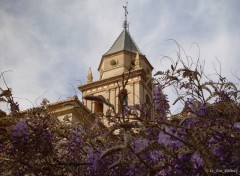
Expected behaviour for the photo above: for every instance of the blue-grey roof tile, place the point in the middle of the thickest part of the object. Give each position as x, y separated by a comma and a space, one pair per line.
124, 42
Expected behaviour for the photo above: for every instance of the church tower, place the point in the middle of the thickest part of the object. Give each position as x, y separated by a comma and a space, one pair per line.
123, 63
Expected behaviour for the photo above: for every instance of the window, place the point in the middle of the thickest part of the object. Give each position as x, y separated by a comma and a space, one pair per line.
123, 99
98, 107
113, 62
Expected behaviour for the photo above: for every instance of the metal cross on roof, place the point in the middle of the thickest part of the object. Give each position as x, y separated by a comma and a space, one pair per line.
126, 12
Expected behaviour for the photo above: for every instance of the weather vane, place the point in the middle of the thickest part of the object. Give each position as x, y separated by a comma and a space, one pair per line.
126, 12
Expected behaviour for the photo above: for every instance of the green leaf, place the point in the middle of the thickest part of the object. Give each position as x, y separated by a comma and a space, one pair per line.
206, 88
179, 98
159, 73
173, 78
112, 150
230, 84
117, 163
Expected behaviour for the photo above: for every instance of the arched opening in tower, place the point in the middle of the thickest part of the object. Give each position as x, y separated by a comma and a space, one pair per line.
98, 107
122, 99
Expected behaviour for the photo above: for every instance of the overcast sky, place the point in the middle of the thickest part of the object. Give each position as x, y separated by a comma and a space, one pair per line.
49, 44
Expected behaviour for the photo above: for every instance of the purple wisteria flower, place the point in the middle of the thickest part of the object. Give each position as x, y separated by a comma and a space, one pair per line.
220, 152
196, 160
21, 131
212, 141
190, 104
201, 111
189, 123
75, 143
156, 155
196, 107
185, 157
90, 155
166, 138
93, 158
236, 125
161, 101
140, 144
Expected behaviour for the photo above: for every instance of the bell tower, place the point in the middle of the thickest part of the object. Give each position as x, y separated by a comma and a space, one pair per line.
123, 62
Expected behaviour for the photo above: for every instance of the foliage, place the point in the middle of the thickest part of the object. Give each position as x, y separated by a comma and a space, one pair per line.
204, 139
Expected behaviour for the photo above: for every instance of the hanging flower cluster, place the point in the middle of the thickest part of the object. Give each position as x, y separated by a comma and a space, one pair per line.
21, 132
196, 107
161, 101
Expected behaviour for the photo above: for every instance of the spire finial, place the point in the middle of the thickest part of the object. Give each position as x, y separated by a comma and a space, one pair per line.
137, 61
126, 12
89, 76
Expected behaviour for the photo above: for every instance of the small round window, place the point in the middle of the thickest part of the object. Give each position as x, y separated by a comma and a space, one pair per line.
113, 62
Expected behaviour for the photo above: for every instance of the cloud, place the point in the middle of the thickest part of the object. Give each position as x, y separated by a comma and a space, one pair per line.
51, 43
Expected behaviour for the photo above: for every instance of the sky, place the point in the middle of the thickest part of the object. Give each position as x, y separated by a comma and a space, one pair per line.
47, 46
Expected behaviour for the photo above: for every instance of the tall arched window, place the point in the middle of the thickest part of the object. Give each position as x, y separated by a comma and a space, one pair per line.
122, 99
98, 107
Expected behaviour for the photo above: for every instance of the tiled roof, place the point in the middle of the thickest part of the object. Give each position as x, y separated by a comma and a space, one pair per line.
124, 42
61, 102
